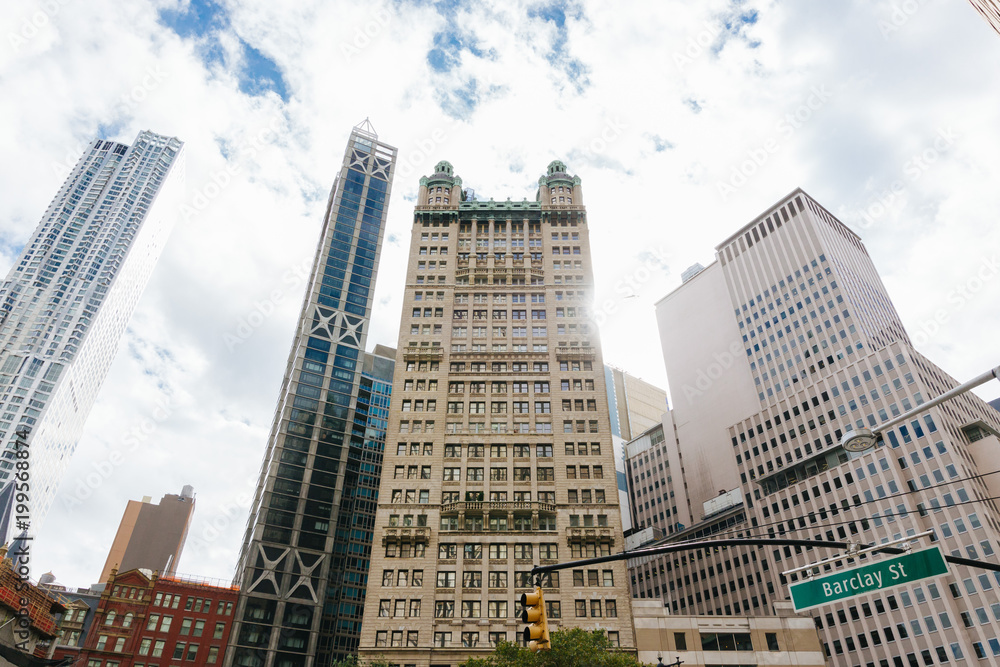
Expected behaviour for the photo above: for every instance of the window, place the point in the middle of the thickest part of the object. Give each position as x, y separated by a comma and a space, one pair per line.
738, 641
680, 641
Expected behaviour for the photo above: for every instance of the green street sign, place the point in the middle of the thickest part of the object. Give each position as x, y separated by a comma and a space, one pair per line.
868, 578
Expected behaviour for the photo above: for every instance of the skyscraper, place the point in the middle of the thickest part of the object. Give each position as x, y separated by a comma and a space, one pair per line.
634, 405
309, 531
151, 536
773, 351
499, 452
68, 298
989, 10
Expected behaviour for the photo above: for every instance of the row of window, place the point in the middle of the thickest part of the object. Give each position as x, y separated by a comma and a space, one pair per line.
522, 579
546, 551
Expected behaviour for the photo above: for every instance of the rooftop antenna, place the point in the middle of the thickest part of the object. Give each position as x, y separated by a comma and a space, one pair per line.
366, 127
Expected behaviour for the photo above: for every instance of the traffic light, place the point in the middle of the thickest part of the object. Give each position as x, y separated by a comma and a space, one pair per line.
536, 635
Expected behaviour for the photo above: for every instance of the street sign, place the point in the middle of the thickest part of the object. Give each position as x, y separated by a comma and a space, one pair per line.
868, 578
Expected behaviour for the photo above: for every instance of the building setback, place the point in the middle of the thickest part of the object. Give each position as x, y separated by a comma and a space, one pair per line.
705, 641
67, 300
304, 561
151, 536
785, 342
499, 453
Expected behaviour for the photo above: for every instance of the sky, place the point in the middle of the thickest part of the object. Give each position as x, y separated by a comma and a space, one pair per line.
684, 119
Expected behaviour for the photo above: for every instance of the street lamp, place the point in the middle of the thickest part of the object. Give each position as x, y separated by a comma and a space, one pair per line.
864, 439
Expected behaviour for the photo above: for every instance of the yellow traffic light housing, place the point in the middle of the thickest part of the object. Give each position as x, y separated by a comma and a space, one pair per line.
536, 635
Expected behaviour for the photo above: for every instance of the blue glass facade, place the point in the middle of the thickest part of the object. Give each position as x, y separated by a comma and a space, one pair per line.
303, 564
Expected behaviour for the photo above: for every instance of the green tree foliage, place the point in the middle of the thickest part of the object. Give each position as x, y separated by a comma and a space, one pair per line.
354, 661
570, 648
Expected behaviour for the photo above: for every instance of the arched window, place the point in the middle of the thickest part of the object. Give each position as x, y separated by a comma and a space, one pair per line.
127, 621
110, 618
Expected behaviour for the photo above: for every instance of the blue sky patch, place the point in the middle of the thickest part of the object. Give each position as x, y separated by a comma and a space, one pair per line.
260, 74
201, 22
558, 56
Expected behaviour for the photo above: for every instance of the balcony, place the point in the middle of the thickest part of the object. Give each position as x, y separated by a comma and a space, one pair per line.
496, 506
575, 353
591, 535
418, 353
405, 534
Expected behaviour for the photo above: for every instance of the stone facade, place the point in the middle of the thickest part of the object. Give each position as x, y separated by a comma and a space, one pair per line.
499, 455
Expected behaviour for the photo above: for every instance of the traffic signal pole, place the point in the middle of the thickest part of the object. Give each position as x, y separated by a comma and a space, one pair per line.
742, 542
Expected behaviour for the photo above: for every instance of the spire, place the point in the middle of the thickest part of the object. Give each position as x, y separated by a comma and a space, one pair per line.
366, 127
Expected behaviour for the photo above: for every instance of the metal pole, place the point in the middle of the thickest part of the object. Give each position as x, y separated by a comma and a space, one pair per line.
960, 389
742, 542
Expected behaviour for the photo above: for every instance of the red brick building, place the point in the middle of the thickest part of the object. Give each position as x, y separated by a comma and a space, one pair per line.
150, 621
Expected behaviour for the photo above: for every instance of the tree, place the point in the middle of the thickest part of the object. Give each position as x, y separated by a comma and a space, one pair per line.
570, 648
355, 661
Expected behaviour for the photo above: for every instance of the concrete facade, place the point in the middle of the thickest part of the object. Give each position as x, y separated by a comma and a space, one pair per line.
634, 405
151, 536
499, 452
708, 641
775, 350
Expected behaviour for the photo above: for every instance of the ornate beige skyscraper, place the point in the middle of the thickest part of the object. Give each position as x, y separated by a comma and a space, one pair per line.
499, 454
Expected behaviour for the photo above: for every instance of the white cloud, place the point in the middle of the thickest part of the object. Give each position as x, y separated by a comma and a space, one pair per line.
605, 103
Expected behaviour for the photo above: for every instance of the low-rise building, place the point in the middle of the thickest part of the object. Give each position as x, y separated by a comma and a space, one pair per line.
701, 641
143, 619
81, 607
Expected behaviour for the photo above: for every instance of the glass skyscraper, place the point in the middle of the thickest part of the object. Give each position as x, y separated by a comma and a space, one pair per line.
68, 298
304, 561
